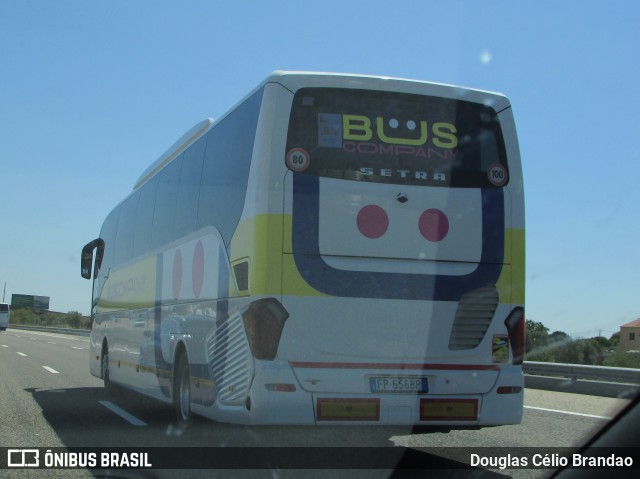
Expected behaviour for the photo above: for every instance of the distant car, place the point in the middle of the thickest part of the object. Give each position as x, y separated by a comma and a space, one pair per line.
4, 316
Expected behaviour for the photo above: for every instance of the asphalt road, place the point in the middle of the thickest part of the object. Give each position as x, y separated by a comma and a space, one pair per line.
49, 399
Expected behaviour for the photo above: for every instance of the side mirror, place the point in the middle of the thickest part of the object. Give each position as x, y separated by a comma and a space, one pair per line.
86, 261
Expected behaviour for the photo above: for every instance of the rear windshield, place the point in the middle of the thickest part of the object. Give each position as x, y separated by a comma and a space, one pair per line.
395, 138
4, 308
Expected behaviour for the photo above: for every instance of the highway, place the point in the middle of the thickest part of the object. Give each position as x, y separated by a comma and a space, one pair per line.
49, 399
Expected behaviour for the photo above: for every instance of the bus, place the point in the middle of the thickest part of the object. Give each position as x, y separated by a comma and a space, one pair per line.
336, 249
4, 316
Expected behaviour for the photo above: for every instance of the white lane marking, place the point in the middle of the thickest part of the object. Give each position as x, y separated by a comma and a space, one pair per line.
569, 412
51, 342
123, 414
21, 354
51, 370
5, 346
76, 347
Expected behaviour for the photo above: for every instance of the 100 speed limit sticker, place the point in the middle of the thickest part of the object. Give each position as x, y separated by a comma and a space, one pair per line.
497, 174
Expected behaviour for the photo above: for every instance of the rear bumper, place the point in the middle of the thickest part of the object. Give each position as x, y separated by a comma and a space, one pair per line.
304, 407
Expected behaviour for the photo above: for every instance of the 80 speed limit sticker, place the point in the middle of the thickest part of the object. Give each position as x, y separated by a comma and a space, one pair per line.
298, 159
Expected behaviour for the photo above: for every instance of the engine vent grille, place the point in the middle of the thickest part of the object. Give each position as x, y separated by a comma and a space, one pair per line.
231, 361
473, 317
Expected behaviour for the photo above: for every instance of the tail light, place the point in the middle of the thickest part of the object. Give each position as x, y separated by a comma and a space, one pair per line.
263, 322
509, 390
515, 324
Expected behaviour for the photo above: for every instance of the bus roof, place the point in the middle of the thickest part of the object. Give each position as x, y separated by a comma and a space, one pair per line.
293, 81
174, 150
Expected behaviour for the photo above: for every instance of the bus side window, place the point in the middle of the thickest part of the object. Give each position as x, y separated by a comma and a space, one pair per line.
226, 166
164, 227
189, 187
144, 222
108, 236
126, 228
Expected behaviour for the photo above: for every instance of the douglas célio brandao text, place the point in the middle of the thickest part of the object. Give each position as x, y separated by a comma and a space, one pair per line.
514, 461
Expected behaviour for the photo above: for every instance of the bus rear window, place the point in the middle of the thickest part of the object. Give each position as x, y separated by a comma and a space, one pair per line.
395, 138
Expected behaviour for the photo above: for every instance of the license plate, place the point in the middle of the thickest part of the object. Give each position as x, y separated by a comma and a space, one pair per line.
390, 384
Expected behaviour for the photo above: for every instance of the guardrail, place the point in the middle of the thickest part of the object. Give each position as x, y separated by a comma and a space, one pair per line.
75, 332
581, 379
580, 371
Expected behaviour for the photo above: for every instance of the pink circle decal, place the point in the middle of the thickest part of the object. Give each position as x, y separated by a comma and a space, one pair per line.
372, 221
177, 274
197, 269
433, 225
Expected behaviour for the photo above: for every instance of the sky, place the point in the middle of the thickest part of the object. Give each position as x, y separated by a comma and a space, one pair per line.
92, 92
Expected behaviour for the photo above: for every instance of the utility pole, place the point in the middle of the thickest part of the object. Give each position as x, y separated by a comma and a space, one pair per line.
4, 291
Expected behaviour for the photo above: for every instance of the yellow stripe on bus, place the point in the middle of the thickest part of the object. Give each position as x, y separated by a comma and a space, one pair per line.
131, 287
510, 285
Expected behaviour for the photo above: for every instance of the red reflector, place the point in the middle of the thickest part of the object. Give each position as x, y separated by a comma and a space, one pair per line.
509, 389
448, 409
281, 387
336, 409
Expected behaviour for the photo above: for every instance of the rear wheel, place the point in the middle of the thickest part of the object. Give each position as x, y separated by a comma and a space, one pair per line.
104, 363
182, 389
109, 387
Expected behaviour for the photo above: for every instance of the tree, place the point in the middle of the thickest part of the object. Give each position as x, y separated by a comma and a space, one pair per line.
22, 316
535, 326
601, 342
622, 359
537, 336
559, 336
614, 340
544, 355
581, 351
74, 319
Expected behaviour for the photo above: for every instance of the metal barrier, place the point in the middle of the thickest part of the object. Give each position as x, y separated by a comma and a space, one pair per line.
75, 332
579, 371
581, 379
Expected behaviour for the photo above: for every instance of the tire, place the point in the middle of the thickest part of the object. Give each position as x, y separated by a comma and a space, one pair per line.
104, 367
182, 389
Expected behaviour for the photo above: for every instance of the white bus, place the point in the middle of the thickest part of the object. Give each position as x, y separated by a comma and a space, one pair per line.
336, 249
4, 316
